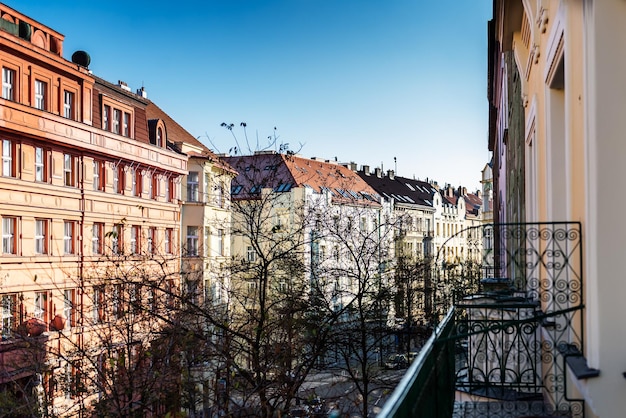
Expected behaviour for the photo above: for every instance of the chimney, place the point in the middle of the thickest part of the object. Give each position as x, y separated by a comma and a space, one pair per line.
142, 92
123, 85
378, 172
390, 174
352, 166
366, 170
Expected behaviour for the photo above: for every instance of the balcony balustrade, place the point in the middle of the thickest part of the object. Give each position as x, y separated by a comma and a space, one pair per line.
509, 329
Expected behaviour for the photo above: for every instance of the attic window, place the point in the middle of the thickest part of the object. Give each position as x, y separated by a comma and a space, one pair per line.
255, 189
326, 189
270, 167
283, 187
235, 189
410, 187
354, 194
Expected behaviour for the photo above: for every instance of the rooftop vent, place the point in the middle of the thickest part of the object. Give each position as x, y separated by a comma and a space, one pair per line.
81, 58
142, 92
123, 85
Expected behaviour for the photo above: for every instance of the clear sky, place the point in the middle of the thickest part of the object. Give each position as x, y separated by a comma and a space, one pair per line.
365, 81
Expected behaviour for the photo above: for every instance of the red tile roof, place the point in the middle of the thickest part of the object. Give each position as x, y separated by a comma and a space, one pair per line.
282, 172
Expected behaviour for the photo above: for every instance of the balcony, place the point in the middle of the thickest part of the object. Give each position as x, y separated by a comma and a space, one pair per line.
509, 336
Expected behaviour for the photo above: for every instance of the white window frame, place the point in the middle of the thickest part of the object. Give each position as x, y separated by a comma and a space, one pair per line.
39, 309
41, 236
8, 83
68, 104
96, 238
68, 170
192, 186
40, 164
68, 306
69, 228
9, 225
9, 305
7, 158
41, 89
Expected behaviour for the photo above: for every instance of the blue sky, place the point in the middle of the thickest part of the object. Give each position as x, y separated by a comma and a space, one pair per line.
356, 80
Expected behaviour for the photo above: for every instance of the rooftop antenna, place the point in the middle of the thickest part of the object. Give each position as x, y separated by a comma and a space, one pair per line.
395, 165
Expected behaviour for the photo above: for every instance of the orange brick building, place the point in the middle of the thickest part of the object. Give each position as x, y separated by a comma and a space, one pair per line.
86, 179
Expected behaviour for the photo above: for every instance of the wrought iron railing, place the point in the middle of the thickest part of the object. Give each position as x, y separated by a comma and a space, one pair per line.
518, 316
427, 388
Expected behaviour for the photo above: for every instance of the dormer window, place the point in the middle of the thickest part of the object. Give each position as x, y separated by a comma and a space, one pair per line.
117, 117
159, 137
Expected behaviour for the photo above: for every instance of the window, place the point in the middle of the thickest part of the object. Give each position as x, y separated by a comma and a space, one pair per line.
118, 303
106, 117
8, 235
150, 300
206, 241
41, 165
68, 104
169, 235
192, 186
118, 179
69, 301
99, 176
9, 315
154, 186
126, 125
40, 311
8, 84
192, 240
97, 232
41, 236
169, 190
8, 162
151, 240
220, 242
251, 254
41, 89
137, 186
69, 170
98, 304
68, 236
135, 239
116, 122
117, 238
363, 224
219, 195
159, 137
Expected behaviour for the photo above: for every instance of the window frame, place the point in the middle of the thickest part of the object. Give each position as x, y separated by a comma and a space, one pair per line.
69, 104
42, 236
69, 241
69, 305
69, 170
135, 239
41, 94
11, 238
119, 179
99, 175
192, 241
117, 239
42, 165
192, 186
9, 87
97, 238
120, 117
9, 158
8, 314
169, 240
